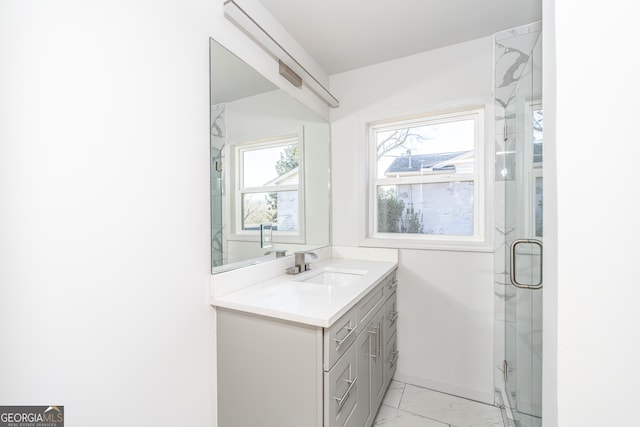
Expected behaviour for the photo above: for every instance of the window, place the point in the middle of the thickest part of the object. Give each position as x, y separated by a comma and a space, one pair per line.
426, 178
269, 177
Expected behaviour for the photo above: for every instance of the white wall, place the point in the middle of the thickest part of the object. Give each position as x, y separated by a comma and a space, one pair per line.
597, 288
104, 219
550, 256
445, 297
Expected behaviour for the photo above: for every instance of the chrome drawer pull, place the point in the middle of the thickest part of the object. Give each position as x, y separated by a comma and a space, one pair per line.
395, 358
377, 344
345, 396
394, 317
372, 353
346, 337
393, 284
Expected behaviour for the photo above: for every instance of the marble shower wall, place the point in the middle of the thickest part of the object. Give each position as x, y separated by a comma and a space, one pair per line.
511, 53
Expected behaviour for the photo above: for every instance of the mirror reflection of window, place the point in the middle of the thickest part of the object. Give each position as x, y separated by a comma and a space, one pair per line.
269, 185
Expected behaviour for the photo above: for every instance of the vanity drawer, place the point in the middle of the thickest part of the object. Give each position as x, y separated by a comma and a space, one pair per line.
390, 317
367, 307
339, 337
340, 386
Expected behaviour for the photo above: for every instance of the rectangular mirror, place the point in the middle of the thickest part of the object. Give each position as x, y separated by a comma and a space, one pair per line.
269, 167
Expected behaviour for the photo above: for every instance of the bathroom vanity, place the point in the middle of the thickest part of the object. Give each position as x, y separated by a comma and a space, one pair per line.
314, 349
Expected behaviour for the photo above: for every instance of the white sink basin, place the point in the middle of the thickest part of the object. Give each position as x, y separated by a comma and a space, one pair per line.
334, 277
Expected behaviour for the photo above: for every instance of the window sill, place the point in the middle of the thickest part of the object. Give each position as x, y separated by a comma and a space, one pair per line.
430, 245
277, 238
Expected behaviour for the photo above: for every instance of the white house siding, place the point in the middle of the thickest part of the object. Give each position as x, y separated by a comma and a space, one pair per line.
288, 211
445, 208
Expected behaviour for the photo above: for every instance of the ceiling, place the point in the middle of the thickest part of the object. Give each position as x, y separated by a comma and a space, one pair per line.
342, 35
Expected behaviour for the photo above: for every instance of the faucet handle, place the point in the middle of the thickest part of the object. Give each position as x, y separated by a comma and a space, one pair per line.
307, 266
301, 262
293, 270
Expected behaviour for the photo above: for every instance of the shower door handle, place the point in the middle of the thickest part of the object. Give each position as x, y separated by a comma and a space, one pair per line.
512, 272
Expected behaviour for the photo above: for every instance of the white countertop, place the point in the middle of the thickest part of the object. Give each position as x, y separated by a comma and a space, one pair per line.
288, 297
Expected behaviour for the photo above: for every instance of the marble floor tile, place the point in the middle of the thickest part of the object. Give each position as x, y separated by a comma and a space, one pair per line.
394, 394
449, 409
392, 417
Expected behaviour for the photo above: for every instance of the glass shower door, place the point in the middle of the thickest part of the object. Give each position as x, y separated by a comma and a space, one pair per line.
523, 212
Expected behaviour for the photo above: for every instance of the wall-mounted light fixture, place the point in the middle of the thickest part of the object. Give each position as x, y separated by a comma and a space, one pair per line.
289, 67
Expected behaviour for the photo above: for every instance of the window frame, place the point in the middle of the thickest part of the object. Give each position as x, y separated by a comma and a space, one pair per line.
279, 236
483, 193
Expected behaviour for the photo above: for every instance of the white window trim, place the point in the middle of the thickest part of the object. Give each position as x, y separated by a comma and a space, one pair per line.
483, 187
238, 233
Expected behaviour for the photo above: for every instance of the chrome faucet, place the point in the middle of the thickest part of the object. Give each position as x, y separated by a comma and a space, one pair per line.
301, 265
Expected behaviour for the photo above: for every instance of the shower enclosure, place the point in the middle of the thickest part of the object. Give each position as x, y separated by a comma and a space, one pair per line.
519, 160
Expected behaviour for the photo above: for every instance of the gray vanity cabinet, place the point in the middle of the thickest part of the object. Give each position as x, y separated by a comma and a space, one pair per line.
277, 373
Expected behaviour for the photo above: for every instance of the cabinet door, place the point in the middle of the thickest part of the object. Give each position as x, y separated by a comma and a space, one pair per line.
341, 385
362, 414
371, 369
